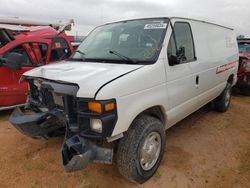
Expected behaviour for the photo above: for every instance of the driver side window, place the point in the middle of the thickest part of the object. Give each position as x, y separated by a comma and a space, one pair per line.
26, 61
181, 46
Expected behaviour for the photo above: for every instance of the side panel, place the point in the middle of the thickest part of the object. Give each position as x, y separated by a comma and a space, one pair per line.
216, 47
11, 92
217, 59
181, 85
136, 92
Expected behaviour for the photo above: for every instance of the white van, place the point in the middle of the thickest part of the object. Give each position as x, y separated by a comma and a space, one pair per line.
125, 85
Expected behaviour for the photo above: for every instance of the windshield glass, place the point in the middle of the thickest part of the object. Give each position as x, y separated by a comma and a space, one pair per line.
134, 41
244, 48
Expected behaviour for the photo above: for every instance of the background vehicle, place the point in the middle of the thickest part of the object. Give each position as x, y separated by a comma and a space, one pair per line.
126, 84
244, 66
38, 45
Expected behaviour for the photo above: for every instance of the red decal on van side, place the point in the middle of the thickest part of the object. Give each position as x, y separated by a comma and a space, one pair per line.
225, 67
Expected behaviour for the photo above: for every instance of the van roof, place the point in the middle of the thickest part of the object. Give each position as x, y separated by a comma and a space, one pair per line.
173, 18
202, 22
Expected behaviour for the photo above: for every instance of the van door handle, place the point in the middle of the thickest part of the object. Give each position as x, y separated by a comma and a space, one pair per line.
197, 81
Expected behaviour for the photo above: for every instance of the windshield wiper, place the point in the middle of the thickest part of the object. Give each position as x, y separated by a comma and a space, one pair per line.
128, 59
80, 52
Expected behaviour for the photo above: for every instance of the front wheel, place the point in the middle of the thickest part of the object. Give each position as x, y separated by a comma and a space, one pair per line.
222, 103
141, 149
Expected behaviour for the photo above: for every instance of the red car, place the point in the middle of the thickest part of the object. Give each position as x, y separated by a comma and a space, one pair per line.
244, 67
39, 45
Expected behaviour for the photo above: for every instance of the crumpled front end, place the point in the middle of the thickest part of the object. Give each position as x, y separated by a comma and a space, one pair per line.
36, 125
77, 152
54, 107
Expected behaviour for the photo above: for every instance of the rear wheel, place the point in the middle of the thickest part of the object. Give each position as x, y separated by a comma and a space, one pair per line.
141, 149
222, 103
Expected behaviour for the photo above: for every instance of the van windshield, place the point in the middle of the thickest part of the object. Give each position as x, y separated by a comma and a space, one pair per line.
134, 41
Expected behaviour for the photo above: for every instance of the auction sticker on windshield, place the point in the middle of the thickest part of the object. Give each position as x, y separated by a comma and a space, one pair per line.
156, 26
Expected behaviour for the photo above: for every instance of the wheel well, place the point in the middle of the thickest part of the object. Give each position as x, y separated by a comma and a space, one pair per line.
230, 79
155, 111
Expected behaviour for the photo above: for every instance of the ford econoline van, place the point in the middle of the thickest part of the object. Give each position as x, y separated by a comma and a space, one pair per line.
125, 85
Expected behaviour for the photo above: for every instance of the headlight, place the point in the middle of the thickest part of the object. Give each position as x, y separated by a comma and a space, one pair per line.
96, 125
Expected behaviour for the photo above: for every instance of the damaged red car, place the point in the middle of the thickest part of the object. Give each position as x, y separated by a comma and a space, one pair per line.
37, 45
244, 66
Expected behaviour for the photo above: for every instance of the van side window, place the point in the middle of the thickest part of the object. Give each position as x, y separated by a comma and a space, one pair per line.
60, 49
181, 45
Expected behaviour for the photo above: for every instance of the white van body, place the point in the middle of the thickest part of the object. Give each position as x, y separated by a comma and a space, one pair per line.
176, 90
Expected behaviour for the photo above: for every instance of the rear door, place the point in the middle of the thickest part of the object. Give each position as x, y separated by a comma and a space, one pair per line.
182, 83
35, 53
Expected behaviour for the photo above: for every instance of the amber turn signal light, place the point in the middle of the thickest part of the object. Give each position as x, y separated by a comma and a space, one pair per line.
109, 106
95, 107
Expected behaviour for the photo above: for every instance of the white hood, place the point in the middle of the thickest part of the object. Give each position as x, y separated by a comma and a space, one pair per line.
89, 76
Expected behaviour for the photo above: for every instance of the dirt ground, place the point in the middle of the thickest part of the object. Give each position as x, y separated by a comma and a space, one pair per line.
207, 149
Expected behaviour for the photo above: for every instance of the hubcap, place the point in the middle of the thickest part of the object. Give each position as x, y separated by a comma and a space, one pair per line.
150, 151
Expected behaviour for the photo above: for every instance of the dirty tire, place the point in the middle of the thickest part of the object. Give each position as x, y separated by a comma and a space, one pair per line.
222, 103
130, 147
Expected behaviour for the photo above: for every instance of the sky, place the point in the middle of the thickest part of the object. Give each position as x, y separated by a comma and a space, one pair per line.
88, 14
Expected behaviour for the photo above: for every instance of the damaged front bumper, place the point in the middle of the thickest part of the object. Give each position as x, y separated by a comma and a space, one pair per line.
35, 125
81, 144
77, 152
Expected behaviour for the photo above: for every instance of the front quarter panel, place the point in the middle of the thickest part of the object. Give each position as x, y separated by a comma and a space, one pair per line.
136, 92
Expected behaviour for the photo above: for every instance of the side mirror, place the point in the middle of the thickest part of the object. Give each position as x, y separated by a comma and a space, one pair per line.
178, 58
14, 61
173, 60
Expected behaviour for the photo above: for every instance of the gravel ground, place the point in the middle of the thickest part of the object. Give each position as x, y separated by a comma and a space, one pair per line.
207, 149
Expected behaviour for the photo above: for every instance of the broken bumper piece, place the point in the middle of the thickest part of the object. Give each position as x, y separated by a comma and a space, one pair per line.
35, 125
77, 152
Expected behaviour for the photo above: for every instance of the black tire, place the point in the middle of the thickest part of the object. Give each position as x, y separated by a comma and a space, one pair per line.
130, 147
222, 103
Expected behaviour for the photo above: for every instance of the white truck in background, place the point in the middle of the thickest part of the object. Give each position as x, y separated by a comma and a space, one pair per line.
125, 85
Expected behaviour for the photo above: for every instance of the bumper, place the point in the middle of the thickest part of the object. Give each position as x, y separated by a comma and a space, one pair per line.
42, 124
77, 152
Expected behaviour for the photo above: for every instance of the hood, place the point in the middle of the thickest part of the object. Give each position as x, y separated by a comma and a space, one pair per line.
89, 76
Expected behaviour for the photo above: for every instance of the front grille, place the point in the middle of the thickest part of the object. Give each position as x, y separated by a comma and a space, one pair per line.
46, 98
53, 95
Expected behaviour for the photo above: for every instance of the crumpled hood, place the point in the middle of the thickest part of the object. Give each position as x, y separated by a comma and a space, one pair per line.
89, 76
